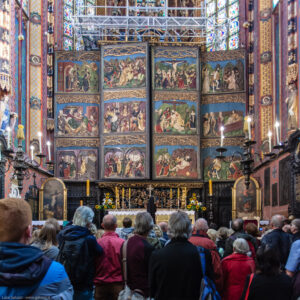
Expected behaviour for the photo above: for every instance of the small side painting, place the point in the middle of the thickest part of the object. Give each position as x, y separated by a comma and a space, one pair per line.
124, 162
175, 117
77, 77
232, 121
176, 162
53, 200
124, 116
77, 120
223, 77
246, 202
77, 164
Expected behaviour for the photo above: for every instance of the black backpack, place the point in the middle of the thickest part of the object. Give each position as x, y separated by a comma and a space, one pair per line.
72, 258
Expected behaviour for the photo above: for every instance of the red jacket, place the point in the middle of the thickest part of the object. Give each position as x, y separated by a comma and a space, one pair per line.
236, 267
108, 266
200, 238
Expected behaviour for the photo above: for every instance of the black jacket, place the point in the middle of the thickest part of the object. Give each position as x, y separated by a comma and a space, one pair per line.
280, 241
175, 271
263, 287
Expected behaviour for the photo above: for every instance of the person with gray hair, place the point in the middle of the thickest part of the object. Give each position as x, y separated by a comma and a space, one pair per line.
236, 267
138, 254
278, 240
175, 270
108, 279
78, 250
295, 229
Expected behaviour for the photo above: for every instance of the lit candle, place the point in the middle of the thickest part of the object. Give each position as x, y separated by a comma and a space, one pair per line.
40, 141
49, 150
270, 141
249, 126
88, 188
277, 132
31, 151
210, 188
8, 129
222, 136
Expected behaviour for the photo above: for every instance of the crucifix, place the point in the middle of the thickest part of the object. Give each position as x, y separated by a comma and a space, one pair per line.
150, 189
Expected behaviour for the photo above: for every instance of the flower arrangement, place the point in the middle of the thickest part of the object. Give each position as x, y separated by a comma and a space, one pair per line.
195, 205
107, 203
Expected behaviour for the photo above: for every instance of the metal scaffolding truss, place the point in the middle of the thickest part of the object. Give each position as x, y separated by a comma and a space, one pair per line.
134, 22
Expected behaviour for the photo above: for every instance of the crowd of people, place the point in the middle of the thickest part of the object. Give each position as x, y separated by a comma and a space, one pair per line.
174, 260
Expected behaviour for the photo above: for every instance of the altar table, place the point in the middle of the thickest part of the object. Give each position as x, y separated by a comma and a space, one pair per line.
162, 215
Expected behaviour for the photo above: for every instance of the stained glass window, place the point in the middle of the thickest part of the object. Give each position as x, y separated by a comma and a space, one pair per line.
71, 41
224, 13
275, 2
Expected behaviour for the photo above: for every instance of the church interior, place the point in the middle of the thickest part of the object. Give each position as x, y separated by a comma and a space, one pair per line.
108, 103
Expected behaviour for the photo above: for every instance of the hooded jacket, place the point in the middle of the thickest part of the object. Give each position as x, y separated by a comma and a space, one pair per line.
88, 254
25, 271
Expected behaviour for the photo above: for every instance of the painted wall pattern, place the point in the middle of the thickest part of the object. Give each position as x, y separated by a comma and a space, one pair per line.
125, 114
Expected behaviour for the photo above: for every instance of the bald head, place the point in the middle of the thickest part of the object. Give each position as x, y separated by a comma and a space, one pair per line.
201, 224
109, 223
163, 226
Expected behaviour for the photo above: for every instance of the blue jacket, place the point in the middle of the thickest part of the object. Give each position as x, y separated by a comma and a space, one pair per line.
26, 272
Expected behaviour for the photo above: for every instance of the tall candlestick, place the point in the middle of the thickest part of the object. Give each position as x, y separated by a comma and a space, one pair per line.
123, 193
49, 150
88, 188
31, 151
270, 141
222, 136
249, 126
40, 141
277, 132
171, 194
8, 129
178, 196
210, 187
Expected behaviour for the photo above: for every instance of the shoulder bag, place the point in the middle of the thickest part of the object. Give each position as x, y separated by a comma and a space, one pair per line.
127, 293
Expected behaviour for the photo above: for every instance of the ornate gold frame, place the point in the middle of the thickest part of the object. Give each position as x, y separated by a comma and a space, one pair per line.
41, 198
258, 199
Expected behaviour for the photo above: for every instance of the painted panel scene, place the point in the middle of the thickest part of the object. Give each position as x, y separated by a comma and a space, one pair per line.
78, 77
75, 120
232, 121
77, 164
175, 117
124, 116
175, 74
176, 162
124, 71
228, 168
124, 162
223, 77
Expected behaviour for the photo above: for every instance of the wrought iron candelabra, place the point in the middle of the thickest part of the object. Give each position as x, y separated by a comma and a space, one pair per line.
247, 161
17, 159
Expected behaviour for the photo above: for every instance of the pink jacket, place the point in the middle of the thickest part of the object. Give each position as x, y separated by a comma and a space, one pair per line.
108, 266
